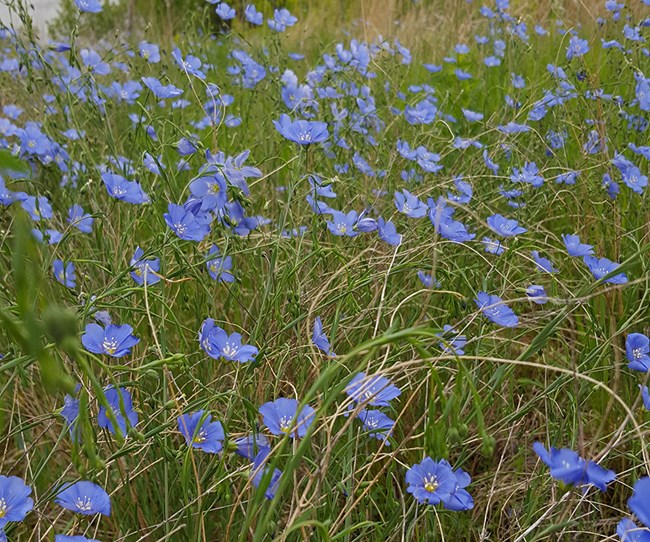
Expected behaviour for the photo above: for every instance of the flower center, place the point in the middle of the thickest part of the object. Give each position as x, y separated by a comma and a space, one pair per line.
200, 438
109, 345
84, 504
430, 483
229, 349
3, 508
285, 424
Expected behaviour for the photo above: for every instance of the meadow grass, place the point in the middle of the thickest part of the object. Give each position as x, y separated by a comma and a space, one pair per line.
560, 376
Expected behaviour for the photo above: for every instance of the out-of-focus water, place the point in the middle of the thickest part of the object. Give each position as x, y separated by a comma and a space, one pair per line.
43, 12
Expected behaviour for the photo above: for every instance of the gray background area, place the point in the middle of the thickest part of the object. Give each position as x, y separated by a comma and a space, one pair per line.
44, 11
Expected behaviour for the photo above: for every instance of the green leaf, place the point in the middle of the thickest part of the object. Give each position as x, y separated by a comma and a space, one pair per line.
13, 166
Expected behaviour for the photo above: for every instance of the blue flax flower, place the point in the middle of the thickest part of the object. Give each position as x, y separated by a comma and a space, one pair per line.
67, 538
374, 390
144, 270
600, 267
543, 264
282, 417
453, 341
496, 310
645, 395
301, 131
184, 224
637, 350
320, 339
84, 498
410, 204
388, 232
219, 267
80, 220
119, 401
201, 433
639, 503
628, 531
377, 424
64, 273
433, 482
571, 469
89, 6
120, 188
249, 446
70, 413
504, 226
15, 501
261, 473
113, 340
537, 294
574, 247
218, 344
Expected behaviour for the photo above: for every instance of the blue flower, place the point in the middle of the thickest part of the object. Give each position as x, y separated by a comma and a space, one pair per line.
281, 19
225, 12
504, 226
600, 267
571, 469
211, 190
261, 472
114, 340
218, 344
629, 532
70, 413
645, 395
80, 220
431, 482
301, 131
249, 446
78, 538
119, 188
199, 432
320, 339
637, 350
428, 281
574, 247
219, 267
282, 417
343, 224
94, 62
184, 224
144, 270
15, 500
639, 503
90, 6
377, 424
453, 341
472, 116
253, 16
409, 204
496, 310
65, 274
37, 207
537, 294
374, 390
84, 498
492, 246
149, 52
388, 232
543, 264
577, 47
119, 400
159, 90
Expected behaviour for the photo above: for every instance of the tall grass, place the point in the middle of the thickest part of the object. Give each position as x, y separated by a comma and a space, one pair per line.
559, 377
